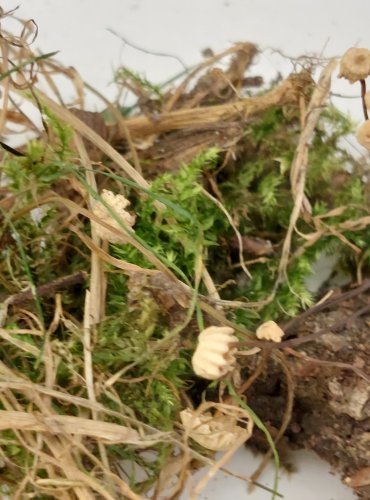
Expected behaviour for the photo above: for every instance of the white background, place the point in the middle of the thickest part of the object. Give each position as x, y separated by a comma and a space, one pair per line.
79, 30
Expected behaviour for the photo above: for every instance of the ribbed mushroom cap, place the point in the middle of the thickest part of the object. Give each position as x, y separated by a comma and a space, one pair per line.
355, 64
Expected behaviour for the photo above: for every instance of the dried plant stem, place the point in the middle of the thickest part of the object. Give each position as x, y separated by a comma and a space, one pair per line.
50, 359
47, 289
254, 376
286, 92
122, 127
209, 284
236, 231
289, 328
334, 364
89, 134
300, 162
180, 90
89, 375
194, 494
97, 277
5, 85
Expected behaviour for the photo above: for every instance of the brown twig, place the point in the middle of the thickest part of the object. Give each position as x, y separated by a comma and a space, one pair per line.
257, 372
181, 89
324, 362
47, 289
252, 378
287, 92
336, 327
290, 327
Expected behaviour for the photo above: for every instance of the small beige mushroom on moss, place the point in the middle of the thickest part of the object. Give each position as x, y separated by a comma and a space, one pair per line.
118, 203
363, 134
355, 64
217, 431
270, 331
214, 355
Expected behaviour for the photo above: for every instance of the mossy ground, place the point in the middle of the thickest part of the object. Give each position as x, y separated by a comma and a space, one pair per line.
141, 347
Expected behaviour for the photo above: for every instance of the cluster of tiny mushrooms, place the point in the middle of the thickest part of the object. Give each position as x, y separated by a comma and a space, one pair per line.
215, 354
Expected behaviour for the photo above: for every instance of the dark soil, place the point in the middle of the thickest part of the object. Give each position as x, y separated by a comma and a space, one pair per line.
331, 412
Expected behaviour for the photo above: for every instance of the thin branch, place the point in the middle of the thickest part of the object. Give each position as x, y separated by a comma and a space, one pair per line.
290, 327
147, 51
324, 362
47, 289
336, 327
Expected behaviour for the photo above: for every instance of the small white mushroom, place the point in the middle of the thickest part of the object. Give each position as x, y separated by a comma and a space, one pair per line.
214, 357
118, 203
355, 64
270, 331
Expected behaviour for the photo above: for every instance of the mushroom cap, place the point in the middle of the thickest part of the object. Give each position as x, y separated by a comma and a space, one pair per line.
270, 331
355, 64
213, 356
363, 135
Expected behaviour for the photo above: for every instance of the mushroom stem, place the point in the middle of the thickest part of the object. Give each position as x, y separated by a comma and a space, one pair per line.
363, 93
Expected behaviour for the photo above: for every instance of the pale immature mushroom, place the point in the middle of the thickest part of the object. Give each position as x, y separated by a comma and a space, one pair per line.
214, 355
363, 134
355, 64
270, 331
118, 203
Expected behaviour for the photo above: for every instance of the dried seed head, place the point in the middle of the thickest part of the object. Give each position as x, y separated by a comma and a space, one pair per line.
270, 331
214, 356
355, 64
217, 432
118, 203
363, 134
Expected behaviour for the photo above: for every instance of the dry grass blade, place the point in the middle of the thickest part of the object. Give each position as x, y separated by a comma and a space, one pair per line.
23, 346
67, 425
86, 132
